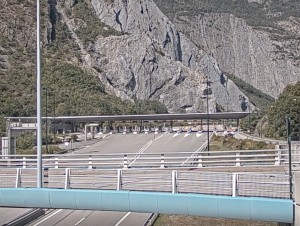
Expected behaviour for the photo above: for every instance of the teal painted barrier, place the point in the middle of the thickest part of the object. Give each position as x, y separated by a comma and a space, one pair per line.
266, 209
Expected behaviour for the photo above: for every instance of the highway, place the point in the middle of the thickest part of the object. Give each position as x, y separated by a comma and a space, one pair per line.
98, 218
119, 143
7, 214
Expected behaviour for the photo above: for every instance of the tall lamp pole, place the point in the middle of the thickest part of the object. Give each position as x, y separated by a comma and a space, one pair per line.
289, 139
249, 116
207, 109
207, 112
46, 119
38, 98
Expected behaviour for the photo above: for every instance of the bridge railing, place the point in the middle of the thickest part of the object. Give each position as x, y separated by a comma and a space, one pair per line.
269, 157
275, 185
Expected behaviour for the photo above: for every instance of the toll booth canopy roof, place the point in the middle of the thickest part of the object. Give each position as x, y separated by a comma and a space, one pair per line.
150, 117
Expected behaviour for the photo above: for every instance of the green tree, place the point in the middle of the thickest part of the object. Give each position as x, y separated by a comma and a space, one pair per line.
288, 103
26, 141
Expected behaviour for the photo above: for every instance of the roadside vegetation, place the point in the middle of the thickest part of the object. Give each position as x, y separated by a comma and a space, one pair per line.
288, 103
269, 119
68, 89
179, 220
228, 143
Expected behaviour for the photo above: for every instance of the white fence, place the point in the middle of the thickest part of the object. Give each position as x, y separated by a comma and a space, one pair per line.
275, 185
268, 157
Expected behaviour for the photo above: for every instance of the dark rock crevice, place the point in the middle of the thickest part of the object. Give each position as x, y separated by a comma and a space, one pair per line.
118, 19
109, 80
179, 50
53, 20
132, 82
189, 61
167, 40
157, 89
180, 79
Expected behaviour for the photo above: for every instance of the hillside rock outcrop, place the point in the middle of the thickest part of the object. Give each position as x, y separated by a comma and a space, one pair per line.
259, 56
156, 61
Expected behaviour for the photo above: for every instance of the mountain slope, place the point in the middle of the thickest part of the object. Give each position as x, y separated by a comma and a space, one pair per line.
102, 56
256, 41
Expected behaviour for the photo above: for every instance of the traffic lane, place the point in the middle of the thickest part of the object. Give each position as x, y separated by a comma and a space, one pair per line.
133, 218
177, 143
62, 217
168, 144
8, 214
118, 143
126, 219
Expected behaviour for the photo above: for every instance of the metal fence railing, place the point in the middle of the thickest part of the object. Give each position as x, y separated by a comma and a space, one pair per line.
275, 185
269, 157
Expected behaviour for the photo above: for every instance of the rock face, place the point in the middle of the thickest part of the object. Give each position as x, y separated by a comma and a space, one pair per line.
179, 63
256, 56
155, 61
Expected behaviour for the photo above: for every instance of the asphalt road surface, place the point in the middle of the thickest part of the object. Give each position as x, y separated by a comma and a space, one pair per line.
7, 214
119, 143
92, 218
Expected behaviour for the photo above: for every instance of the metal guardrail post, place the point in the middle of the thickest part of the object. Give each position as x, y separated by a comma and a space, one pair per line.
237, 158
278, 158
90, 162
24, 162
297, 198
18, 178
56, 163
125, 162
67, 178
119, 185
174, 181
200, 160
234, 184
162, 161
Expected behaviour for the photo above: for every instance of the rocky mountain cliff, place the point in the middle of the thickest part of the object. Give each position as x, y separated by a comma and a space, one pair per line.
153, 60
138, 52
255, 41
257, 57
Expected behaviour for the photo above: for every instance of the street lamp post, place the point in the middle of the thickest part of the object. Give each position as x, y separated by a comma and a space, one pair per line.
245, 104
38, 90
46, 115
249, 115
207, 109
288, 126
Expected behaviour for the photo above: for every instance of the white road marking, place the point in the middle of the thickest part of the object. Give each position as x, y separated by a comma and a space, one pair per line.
199, 134
143, 149
199, 149
122, 219
56, 212
187, 134
176, 134
79, 221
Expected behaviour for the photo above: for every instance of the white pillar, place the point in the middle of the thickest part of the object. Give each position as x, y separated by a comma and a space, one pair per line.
85, 132
238, 162
119, 185
67, 178
174, 181
162, 161
125, 164
297, 197
234, 185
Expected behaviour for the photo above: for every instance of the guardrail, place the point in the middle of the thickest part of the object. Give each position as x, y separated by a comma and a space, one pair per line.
167, 160
275, 185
